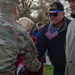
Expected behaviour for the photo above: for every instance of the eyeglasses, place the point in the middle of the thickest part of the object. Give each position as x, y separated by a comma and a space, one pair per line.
53, 14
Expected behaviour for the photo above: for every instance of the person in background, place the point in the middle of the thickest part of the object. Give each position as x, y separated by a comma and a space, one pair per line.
14, 40
70, 42
37, 29
28, 24
52, 38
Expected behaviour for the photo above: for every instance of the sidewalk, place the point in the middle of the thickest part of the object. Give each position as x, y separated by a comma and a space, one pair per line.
48, 61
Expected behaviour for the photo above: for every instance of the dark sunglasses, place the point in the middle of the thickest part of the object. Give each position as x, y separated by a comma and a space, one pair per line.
53, 14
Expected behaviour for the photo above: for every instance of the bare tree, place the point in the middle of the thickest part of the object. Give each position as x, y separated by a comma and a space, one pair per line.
25, 7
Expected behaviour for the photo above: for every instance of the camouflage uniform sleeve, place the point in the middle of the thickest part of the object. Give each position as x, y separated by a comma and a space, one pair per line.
30, 56
30, 53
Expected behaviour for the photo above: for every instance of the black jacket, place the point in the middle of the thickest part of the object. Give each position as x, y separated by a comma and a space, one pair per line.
55, 46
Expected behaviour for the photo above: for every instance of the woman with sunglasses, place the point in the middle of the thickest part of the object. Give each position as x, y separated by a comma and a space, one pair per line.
52, 38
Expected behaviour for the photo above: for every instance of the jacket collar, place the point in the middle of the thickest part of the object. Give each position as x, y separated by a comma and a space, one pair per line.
61, 29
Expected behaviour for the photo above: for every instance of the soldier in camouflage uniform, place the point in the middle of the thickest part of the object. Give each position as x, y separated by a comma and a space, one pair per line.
14, 40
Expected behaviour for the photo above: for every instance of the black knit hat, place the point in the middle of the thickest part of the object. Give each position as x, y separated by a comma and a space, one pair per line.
56, 7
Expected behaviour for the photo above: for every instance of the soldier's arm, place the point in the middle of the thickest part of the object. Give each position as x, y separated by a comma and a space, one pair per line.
28, 50
30, 56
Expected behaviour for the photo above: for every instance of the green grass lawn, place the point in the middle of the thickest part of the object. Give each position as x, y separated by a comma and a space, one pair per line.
48, 70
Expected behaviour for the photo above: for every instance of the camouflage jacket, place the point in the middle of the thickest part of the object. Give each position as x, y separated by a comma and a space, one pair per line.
14, 40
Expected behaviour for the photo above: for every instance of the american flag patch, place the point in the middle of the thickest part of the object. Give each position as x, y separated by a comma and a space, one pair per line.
51, 34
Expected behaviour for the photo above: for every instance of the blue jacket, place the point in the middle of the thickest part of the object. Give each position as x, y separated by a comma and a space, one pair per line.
35, 33
55, 46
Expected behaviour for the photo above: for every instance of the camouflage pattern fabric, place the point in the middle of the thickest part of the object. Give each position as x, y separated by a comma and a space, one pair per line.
14, 40
9, 1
